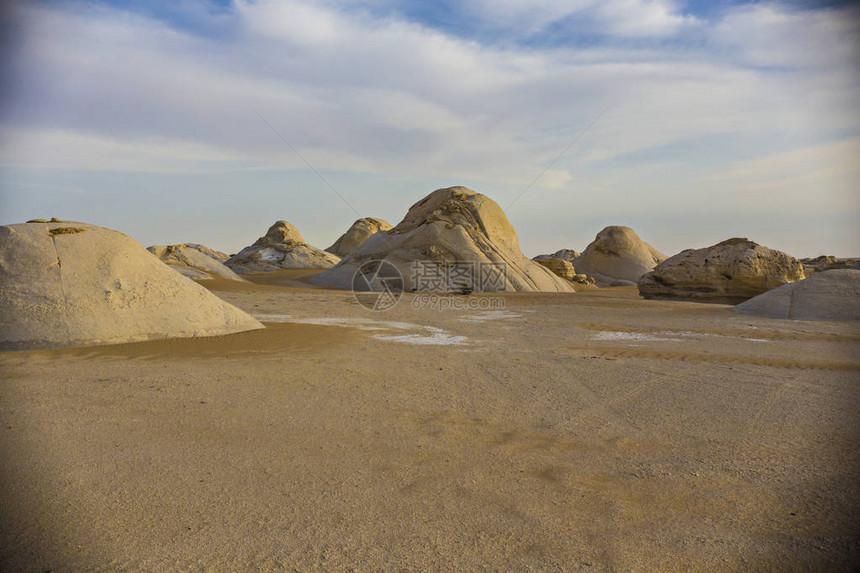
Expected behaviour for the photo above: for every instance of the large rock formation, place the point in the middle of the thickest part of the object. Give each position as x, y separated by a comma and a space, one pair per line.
459, 228
195, 261
617, 256
282, 247
826, 295
74, 284
728, 272
356, 235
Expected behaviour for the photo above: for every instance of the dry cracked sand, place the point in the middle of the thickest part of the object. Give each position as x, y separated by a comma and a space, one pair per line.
565, 432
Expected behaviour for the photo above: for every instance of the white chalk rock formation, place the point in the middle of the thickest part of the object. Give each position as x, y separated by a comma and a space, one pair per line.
617, 256
74, 284
729, 272
827, 263
826, 295
357, 234
564, 254
195, 261
459, 228
282, 247
560, 267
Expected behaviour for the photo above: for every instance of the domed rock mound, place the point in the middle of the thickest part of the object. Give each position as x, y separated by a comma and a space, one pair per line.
616, 255
195, 261
728, 272
826, 295
356, 235
74, 284
452, 240
282, 247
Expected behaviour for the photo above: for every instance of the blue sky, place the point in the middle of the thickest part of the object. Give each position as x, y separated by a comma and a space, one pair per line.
714, 120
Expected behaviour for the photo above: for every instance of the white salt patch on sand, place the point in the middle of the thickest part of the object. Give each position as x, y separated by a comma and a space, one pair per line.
740, 337
490, 315
435, 336
359, 323
273, 317
689, 334
425, 334
638, 336
662, 336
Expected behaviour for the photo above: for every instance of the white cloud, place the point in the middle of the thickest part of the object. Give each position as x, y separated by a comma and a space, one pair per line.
554, 178
774, 35
58, 149
643, 18
102, 90
626, 18
390, 96
801, 172
299, 23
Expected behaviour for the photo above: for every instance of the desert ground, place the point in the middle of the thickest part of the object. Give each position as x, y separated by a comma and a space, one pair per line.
593, 431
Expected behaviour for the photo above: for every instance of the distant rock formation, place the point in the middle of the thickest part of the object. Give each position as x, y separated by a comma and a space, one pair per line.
356, 235
564, 269
563, 254
454, 226
217, 255
560, 267
282, 247
827, 263
826, 295
75, 284
195, 261
729, 272
617, 256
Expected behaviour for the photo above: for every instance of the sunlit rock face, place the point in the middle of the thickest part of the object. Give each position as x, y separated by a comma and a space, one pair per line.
75, 284
458, 227
357, 234
616, 255
282, 247
195, 261
826, 295
729, 272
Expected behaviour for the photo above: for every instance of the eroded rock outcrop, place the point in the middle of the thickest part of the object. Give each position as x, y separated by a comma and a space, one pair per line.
617, 256
195, 261
75, 284
456, 227
560, 267
357, 234
563, 254
827, 263
282, 247
826, 295
729, 272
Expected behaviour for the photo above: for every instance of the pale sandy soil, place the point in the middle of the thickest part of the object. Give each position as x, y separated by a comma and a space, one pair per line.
575, 432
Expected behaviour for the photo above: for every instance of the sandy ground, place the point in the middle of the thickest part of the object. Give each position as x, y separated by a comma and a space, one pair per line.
565, 432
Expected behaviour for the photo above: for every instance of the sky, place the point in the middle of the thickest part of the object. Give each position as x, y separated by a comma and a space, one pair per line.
206, 121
